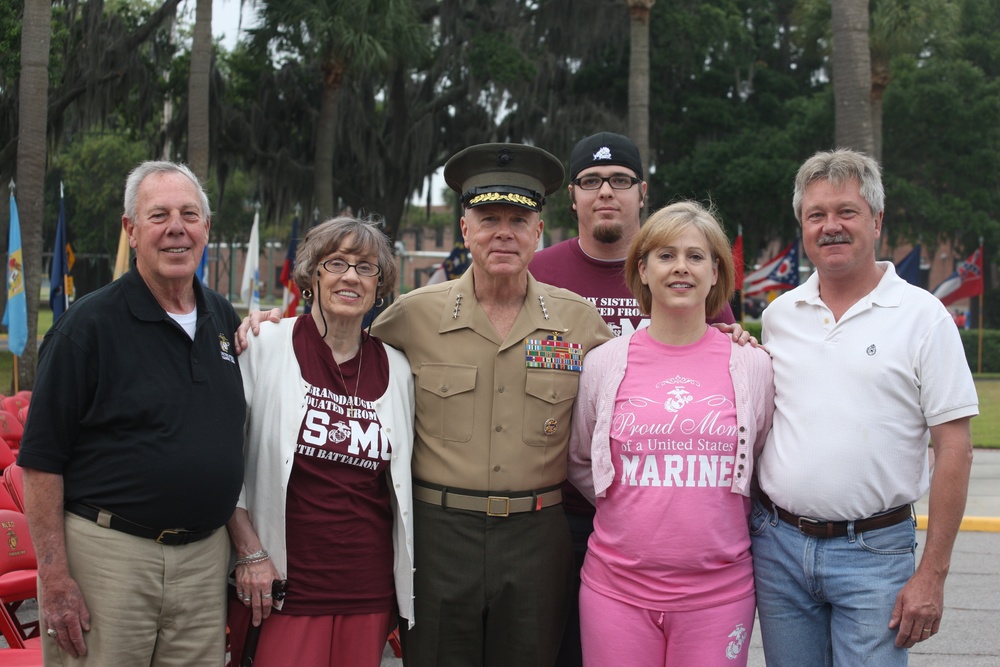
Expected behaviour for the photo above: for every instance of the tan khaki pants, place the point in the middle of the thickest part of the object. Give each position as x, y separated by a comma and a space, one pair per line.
149, 604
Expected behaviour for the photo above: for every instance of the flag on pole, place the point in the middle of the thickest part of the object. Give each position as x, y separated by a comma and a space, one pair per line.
15, 317
966, 281
908, 268
121, 259
290, 295
202, 271
250, 291
738, 258
58, 292
780, 273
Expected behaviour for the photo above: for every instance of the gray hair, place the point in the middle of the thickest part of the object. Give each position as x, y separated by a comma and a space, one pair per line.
839, 167
365, 238
139, 174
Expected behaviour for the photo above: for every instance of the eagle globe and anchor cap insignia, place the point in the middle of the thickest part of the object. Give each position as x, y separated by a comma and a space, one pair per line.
224, 346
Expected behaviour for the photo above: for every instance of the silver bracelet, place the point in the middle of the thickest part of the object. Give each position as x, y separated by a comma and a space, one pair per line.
255, 557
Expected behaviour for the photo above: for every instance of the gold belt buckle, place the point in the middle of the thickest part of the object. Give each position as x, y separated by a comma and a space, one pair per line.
497, 499
164, 533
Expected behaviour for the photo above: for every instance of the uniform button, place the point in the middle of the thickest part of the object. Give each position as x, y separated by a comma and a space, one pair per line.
496, 468
499, 428
742, 441
743, 429
743, 456
500, 389
738, 475
397, 486
555, 394
741, 466
444, 388
388, 430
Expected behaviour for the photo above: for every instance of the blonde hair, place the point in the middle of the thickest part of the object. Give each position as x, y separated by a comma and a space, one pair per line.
660, 230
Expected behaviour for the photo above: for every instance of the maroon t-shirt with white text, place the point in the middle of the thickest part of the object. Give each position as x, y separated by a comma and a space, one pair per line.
338, 525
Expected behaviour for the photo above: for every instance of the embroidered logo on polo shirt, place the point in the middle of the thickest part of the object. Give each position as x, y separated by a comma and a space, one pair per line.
224, 345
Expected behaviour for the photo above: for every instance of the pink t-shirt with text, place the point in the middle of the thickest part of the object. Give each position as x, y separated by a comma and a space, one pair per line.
670, 534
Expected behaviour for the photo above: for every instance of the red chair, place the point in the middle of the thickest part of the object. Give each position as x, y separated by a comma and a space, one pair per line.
13, 484
18, 570
11, 430
13, 404
10, 632
7, 457
22, 415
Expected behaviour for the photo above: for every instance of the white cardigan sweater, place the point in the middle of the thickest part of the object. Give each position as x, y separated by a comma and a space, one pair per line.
275, 394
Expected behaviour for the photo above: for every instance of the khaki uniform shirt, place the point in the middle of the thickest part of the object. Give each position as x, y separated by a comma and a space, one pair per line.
485, 420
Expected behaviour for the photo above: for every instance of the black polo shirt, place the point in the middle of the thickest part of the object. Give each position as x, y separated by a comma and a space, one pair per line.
139, 419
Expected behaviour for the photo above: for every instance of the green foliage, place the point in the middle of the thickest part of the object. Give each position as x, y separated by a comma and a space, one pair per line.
991, 349
947, 183
92, 169
493, 58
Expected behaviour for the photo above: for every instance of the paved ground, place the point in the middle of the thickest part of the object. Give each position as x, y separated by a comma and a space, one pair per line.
969, 635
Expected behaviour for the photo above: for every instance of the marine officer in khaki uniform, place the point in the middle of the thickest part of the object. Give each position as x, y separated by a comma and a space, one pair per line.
496, 357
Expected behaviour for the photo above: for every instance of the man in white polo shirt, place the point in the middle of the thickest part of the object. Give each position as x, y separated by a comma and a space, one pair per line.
867, 370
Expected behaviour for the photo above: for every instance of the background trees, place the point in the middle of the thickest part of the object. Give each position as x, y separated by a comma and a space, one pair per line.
353, 104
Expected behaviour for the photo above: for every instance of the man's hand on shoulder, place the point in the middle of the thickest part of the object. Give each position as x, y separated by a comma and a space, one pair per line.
739, 335
251, 323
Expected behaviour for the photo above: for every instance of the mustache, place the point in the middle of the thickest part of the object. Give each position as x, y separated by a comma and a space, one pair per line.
833, 238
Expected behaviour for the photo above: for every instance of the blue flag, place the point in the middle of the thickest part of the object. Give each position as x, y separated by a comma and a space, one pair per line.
15, 317
908, 268
58, 298
202, 271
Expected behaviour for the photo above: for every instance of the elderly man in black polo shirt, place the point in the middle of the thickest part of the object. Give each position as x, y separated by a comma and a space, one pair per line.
133, 453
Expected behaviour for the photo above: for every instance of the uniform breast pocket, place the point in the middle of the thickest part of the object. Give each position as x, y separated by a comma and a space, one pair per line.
445, 400
548, 406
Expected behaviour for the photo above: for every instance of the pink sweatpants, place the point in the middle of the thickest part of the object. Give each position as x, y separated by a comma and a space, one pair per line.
616, 633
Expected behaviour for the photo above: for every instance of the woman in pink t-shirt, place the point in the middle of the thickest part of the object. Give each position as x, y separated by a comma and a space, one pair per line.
666, 427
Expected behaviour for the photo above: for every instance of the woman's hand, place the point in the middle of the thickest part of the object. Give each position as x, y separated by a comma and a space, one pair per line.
253, 587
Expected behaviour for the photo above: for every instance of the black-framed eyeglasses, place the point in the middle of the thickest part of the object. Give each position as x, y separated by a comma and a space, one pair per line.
364, 269
616, 181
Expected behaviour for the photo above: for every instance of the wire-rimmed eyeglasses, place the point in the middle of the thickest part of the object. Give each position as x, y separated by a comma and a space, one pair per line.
616, 181
338, 266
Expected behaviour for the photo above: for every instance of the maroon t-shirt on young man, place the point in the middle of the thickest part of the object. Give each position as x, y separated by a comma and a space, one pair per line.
338, 523
602, 283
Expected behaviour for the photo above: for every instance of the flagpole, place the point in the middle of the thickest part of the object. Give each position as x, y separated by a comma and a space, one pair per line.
983, 278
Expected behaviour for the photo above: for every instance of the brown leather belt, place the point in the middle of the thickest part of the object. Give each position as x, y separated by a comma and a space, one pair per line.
820, 528
525, 501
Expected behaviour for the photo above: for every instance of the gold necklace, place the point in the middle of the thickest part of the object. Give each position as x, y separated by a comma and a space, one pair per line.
357, 383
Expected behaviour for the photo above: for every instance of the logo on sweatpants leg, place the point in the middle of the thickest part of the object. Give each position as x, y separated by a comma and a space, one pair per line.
739, 637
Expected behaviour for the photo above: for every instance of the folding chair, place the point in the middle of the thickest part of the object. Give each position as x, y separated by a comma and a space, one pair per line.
13, 483
11, 430
18, 570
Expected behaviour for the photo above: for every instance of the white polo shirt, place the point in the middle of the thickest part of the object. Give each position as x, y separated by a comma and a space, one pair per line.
854, 398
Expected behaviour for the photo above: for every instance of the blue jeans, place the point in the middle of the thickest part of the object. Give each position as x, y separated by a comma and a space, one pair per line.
828, 601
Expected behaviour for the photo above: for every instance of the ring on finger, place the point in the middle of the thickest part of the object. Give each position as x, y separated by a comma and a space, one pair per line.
52, 632
265, 596
927, 631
